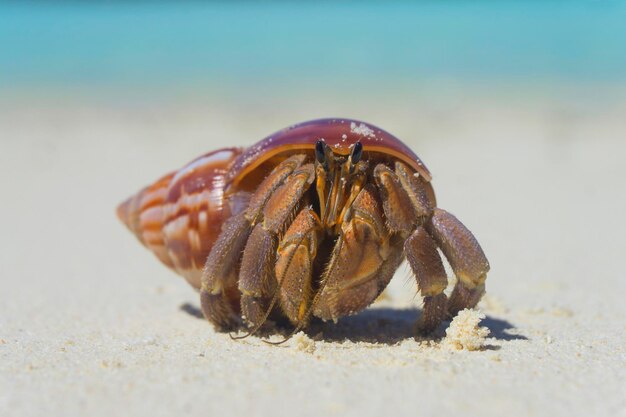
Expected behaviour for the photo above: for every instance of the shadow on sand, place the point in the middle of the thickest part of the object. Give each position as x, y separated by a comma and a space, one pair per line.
392, 325
380, 325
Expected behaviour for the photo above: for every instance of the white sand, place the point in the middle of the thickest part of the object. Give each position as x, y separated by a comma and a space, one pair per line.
465, 331
92, 325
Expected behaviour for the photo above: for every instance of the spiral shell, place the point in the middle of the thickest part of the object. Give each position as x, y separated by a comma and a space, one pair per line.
180, 216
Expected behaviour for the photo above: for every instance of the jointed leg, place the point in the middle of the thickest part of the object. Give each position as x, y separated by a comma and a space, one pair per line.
463, 297
294, 268
406, 203
466, 258
419, 190
430, 274
455, 240
257, 281
399, 212
219, 295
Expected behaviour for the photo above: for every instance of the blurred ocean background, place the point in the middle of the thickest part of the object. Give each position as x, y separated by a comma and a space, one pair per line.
197, 46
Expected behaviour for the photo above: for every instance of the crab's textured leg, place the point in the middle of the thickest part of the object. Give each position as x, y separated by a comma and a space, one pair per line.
430, 274
363, 260
295, 264
419, 190
219, 295
399, 211
256, 277
407, 203
466, 258
456, 242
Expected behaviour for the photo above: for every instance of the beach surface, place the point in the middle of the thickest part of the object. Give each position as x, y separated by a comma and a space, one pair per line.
91, 324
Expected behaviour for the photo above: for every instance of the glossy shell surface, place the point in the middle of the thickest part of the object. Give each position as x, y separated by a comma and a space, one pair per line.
339, 134
180, 216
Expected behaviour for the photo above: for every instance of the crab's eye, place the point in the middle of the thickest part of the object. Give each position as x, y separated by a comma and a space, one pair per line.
357, 152
320, 155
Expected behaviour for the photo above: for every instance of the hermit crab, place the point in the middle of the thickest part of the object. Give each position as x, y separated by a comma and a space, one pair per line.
311, 221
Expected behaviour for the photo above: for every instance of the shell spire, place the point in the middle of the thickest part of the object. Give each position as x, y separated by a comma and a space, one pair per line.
143, 214
179, 216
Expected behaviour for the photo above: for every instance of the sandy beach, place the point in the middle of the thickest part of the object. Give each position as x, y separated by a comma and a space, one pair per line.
91, 324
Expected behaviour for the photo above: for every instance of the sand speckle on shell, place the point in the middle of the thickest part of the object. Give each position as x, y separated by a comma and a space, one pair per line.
362, 129
464, 333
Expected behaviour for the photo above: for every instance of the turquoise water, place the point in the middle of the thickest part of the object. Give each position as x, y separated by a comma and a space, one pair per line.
144, 43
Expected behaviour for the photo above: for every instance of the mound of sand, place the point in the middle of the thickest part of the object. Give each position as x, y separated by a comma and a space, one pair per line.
464, 333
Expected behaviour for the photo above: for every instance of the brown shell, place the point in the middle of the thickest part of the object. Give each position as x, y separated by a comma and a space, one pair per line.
339, 134
180, 216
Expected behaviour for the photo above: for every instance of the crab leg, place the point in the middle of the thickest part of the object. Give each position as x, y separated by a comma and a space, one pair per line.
456, 242
219, 295
466, 258
406, 204
419, 190
398, 208
257, 282
294, 268
421, 253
